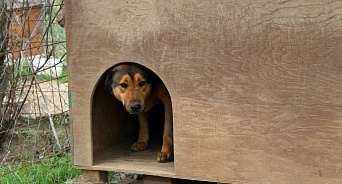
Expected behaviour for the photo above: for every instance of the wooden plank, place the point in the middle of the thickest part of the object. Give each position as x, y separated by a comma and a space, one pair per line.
82, 145
255, 85
156, 180
121, 158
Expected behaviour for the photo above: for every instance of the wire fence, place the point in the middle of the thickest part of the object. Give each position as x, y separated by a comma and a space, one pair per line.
35, 135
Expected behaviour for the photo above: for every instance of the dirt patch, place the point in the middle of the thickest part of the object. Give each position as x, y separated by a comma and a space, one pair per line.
35, 139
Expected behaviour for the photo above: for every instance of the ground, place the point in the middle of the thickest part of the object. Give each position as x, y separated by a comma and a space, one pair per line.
31, 140
123, 178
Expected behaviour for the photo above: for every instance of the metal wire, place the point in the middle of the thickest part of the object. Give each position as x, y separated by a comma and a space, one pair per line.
33, 89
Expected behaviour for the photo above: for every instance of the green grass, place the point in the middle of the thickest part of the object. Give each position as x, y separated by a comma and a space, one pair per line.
40, 172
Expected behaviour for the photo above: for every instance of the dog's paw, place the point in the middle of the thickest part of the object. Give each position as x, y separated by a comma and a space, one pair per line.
164, 157
139, 146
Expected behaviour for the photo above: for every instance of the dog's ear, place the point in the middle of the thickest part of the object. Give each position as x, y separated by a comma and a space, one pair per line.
108, 80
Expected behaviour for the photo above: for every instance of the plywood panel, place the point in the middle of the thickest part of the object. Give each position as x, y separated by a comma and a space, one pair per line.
121, 158
255, 85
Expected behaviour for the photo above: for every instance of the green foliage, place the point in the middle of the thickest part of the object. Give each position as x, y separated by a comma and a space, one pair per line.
40, 172
63, 79
113, 176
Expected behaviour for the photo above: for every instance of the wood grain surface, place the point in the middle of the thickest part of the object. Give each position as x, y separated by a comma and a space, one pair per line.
121, 158
255, 85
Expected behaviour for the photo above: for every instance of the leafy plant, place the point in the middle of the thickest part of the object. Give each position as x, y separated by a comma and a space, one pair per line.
113, 176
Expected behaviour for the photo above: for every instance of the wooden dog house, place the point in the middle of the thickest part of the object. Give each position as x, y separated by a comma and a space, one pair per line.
256, 87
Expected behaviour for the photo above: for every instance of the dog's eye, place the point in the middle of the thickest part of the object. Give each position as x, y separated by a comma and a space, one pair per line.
124, 85
142, 83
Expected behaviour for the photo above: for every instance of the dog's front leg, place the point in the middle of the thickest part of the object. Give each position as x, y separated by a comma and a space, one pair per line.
142, 142
166, 153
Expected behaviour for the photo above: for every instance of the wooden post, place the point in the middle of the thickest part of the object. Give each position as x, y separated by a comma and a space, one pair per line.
95, 176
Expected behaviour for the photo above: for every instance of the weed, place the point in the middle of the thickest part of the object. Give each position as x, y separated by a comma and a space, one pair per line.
40, 172
113, 176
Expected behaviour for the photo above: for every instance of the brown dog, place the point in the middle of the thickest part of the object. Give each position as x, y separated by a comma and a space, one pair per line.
139, 89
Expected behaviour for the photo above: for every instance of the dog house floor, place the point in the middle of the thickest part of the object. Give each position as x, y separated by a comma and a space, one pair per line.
122, 159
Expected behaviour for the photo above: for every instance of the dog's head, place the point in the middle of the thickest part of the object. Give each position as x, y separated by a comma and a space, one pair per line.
131, 84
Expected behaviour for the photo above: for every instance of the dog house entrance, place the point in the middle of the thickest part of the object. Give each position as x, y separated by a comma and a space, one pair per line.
114, 131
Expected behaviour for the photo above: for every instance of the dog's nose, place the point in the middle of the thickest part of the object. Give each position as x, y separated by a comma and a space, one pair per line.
135, 107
